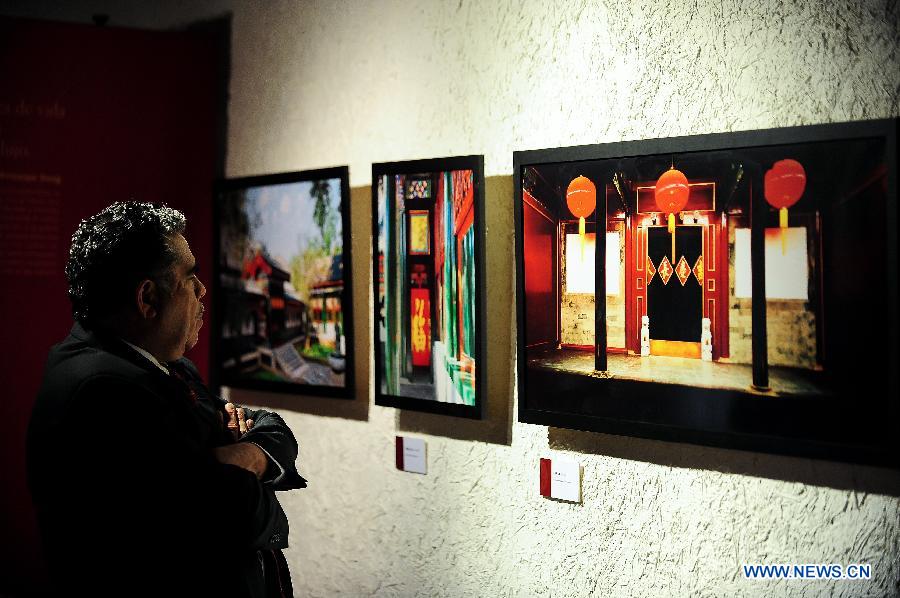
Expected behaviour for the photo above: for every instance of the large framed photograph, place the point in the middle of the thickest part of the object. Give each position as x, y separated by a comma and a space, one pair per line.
283, 301
735, 289
428, 235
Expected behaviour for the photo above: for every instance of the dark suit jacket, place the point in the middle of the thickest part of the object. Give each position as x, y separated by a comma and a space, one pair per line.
128, 495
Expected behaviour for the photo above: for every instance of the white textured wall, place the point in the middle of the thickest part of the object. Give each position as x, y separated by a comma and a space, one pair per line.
325, 83
334, 83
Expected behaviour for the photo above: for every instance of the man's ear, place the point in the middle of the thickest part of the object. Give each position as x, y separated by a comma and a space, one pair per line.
147, 299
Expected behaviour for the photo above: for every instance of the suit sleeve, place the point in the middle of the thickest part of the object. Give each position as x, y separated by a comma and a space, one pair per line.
273, 435
146, 453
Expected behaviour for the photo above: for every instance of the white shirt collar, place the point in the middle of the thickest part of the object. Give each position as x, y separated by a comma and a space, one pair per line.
148, 356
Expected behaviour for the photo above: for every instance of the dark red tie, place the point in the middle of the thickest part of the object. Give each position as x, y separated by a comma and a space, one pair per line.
176, 373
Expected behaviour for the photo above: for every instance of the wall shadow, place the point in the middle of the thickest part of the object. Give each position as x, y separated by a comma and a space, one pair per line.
358, 407
814, 472
496, 427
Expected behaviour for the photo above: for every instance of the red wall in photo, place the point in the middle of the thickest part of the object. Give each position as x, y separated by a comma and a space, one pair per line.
539, 241
88, 116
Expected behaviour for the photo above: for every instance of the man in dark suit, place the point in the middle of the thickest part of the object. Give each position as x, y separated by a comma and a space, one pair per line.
144, 483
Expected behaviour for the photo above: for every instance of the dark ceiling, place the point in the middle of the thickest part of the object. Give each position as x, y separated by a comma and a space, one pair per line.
834, 169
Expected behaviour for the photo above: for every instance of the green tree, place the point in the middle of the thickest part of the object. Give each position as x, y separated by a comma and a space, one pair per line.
323, 214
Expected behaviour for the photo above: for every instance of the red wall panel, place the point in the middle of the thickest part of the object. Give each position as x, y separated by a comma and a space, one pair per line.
539, 240
88, 116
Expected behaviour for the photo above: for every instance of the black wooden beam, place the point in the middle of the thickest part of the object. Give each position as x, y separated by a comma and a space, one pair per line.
600, 283
758, 216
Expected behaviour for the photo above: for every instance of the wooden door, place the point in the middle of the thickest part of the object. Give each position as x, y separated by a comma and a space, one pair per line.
710, 276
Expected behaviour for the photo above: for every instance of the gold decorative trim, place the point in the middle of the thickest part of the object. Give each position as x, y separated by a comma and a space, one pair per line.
638, 190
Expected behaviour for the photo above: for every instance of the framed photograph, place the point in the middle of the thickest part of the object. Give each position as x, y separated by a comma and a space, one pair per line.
428, 259
743, 292
283, 300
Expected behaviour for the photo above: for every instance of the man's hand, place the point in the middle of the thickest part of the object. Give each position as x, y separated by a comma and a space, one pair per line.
237, 424
245, 455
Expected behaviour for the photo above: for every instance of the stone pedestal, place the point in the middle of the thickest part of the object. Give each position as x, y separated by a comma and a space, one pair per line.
706, 341
645, 336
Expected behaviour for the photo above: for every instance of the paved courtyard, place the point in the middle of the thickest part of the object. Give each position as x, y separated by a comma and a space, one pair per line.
676, 370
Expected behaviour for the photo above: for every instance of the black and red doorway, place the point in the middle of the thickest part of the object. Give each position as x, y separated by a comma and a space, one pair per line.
675, 279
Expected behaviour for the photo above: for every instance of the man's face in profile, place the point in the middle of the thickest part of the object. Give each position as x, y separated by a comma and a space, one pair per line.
181, 314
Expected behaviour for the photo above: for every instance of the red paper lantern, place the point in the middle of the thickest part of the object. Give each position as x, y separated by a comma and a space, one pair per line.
672, 192
581, 197
784, 184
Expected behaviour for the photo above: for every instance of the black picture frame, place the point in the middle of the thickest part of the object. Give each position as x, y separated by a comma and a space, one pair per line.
429, 169
856, 424
308, 322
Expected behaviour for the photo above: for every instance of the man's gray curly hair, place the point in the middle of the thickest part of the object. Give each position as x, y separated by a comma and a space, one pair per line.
116, 249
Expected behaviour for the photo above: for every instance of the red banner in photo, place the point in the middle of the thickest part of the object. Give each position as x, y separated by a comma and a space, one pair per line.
420, 326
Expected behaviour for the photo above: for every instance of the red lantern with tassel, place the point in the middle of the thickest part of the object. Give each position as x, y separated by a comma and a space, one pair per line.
784, 185
672, 192
581, 197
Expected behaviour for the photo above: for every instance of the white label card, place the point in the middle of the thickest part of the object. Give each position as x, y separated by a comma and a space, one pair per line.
415, 455
565, 480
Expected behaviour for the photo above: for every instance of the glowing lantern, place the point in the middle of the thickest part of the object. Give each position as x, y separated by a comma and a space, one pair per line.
784, 185
581, 197
672, 192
